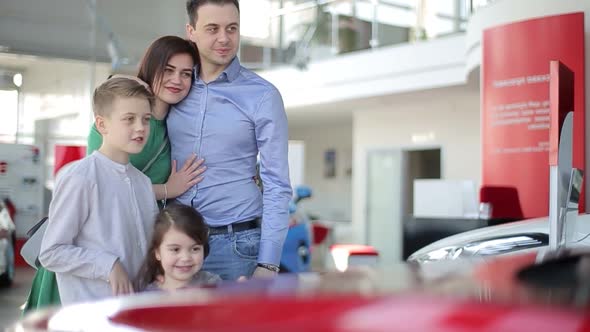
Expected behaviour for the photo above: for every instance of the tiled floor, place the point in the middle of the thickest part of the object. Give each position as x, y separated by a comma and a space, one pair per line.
12, 298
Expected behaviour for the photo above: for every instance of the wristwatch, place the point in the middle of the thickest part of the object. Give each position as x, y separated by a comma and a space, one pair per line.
270, 267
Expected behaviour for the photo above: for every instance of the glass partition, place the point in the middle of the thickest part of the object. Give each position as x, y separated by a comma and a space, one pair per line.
293, 32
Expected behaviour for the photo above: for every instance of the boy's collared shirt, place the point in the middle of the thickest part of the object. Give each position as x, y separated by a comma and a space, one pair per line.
228, 122
101, 212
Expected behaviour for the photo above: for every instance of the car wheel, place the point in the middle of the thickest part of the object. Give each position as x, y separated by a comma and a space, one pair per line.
283, 269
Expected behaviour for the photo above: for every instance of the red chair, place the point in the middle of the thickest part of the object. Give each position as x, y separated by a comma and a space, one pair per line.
347, 255
504, 201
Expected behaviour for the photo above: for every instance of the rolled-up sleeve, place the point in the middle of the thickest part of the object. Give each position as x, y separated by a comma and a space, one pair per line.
272, 139
68, 212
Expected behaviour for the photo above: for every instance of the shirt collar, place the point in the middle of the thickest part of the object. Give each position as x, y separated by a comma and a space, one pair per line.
233, 70
121, 168
230, 73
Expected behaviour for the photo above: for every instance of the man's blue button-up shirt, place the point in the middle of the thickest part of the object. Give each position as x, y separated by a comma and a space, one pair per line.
227, 122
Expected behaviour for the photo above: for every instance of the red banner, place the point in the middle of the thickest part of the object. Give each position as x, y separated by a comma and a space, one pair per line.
515, 106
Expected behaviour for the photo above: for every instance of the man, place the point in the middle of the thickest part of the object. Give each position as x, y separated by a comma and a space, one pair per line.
230, 116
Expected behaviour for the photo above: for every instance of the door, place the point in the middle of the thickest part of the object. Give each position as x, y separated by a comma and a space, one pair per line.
384, 205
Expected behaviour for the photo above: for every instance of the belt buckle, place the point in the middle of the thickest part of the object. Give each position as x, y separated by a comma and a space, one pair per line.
218, 230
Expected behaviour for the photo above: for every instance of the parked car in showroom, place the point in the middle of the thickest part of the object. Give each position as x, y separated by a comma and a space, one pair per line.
564, 229
472, 247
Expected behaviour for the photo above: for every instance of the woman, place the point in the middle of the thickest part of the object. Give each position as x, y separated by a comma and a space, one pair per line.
167, 68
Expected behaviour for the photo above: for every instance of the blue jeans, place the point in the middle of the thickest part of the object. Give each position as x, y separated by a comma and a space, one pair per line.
233, 255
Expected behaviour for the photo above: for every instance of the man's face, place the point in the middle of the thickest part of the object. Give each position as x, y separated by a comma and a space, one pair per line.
216, 33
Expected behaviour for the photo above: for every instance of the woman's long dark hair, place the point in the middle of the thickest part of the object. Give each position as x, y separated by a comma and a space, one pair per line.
184, 219
156, 57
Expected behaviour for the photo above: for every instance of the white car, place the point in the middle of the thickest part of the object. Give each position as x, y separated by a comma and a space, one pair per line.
531, 235
7, 241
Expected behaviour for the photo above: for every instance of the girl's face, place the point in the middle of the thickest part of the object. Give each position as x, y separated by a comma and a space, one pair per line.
176, 79
181, 258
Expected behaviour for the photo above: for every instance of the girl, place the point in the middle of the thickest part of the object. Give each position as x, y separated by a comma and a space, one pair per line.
167, 68
178, 248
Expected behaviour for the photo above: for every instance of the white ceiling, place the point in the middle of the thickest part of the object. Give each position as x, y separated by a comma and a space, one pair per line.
63, 28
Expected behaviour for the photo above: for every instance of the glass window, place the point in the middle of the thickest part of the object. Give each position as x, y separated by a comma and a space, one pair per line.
405, 3
443, 7
9, 115
255, 19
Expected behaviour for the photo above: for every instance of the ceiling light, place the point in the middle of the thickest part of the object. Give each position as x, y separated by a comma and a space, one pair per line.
17, 79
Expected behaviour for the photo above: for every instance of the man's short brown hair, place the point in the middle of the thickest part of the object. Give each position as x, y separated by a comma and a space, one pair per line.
118, 87
193, 5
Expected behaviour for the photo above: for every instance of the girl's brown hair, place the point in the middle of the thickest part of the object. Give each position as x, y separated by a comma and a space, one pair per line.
156, 57
183, 218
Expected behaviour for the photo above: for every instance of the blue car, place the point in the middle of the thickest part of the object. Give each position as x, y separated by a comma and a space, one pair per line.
296, 256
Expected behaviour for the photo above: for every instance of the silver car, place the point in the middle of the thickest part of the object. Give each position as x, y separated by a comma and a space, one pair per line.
531, 235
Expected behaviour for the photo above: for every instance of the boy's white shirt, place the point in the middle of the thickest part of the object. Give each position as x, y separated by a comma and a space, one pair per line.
101, 212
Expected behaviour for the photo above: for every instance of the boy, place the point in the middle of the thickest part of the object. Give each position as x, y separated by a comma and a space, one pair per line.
103, 209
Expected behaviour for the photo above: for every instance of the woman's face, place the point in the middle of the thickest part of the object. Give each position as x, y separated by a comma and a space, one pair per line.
176, 79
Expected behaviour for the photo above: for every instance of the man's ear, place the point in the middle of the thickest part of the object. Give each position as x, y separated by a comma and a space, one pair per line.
100, 124
189, 31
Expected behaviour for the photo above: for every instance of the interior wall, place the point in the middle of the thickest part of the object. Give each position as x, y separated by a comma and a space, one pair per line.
449, 121
332, 197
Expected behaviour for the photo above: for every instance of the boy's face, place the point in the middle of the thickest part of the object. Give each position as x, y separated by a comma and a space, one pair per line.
181, 258
216, 33
127, 127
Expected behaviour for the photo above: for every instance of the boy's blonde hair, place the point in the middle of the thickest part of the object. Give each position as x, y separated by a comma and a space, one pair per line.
118, 87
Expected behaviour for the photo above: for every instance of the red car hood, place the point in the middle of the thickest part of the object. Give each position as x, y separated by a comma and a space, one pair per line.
490, 298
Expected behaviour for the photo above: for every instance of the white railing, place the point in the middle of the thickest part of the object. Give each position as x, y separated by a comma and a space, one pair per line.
301, 31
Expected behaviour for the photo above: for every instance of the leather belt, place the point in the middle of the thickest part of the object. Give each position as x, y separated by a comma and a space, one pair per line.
237, 227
